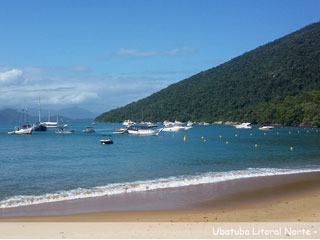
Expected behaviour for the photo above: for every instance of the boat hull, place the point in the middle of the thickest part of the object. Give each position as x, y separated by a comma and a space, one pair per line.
266, 128
65, 131
22, 131
106, 142
40, 128
174, 129
144, 132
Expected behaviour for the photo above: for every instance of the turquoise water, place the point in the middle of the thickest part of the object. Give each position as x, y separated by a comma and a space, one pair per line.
46, 166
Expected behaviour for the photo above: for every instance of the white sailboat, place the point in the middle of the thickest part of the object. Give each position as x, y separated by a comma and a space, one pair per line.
39, 127
26, 128
50, 124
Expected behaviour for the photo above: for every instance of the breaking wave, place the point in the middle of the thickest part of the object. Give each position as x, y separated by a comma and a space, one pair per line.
139, 186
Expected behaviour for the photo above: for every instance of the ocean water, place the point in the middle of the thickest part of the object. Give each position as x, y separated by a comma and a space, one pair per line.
48, 167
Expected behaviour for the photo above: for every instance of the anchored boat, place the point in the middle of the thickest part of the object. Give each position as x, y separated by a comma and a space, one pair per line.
61, 130
107, 139
88, 130
266, 128
144, 131
246, 125
26, 128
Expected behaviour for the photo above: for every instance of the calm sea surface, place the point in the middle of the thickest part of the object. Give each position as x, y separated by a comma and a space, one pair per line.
46, 166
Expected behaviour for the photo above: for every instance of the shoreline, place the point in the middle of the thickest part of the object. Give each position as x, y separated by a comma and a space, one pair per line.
294, 197
178, 182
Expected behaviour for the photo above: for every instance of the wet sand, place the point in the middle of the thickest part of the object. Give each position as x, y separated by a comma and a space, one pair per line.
293, 197
274, 204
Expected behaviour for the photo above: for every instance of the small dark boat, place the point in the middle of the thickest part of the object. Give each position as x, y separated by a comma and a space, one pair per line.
88, 130
107, 139
63, 131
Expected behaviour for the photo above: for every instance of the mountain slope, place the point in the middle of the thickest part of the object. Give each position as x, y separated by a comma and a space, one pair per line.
15, 116
77, 113
275, 83
12, 115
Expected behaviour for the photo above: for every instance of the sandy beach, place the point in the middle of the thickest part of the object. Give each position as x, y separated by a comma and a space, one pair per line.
288, 198
294, 197
285, 203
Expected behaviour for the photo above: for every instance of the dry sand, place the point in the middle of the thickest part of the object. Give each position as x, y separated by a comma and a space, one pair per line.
295, 202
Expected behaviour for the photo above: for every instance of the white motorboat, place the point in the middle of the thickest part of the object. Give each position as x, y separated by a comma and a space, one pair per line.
151, 125
128, 123
189, 125
168, 123
246, 125
174, 128
121, 130
266, 128
144, 131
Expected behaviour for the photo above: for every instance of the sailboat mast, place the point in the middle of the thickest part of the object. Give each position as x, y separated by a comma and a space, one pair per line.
39, 111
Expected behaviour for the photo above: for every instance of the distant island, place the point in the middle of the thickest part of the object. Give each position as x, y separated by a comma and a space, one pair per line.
278, 83
74, 114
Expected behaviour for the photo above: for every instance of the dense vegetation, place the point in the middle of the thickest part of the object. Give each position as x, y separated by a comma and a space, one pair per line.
275, 83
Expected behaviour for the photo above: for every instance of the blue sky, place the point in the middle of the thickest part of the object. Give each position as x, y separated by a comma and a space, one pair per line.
104, 54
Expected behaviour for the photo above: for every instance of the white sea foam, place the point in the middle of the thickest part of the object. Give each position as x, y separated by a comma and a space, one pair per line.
139, 186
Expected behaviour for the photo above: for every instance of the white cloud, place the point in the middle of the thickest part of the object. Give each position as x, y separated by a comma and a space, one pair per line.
72, 97
10, 76
179, 51
140, 53
58, 89
135, 52
37, 82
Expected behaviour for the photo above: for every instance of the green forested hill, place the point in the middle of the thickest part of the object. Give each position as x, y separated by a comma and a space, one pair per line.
275, 83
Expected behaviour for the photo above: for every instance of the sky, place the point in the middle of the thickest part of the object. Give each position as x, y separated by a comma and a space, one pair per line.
103, 54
